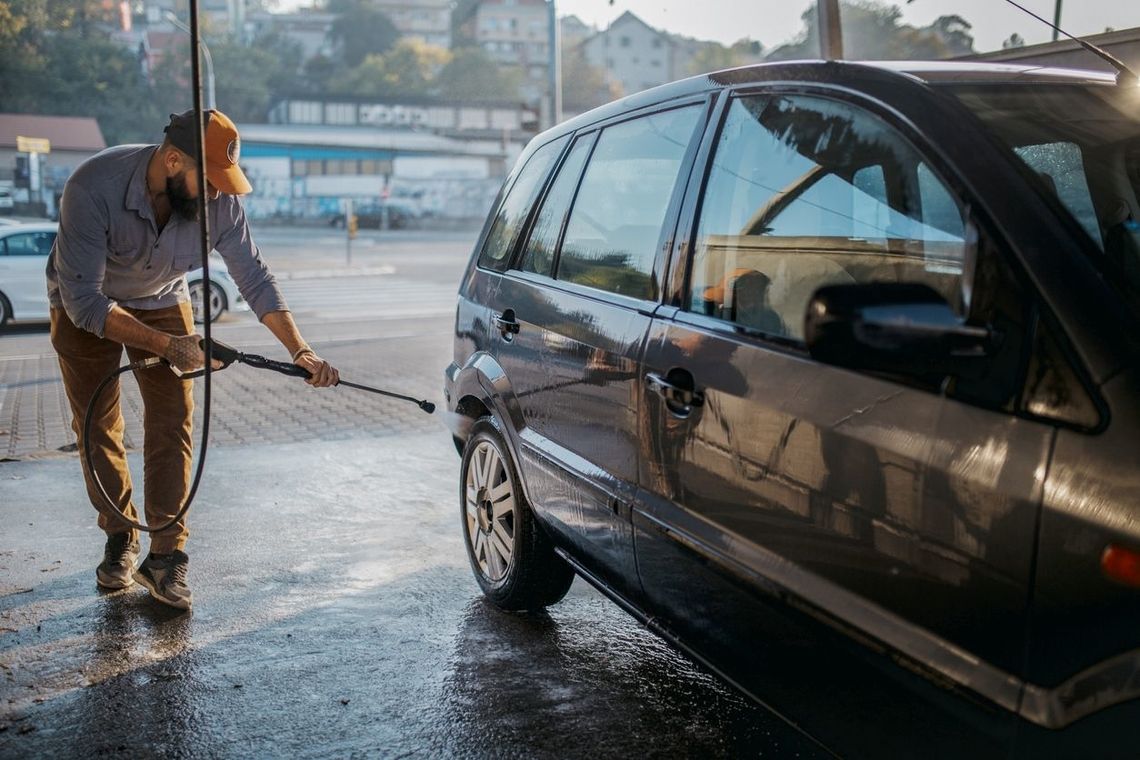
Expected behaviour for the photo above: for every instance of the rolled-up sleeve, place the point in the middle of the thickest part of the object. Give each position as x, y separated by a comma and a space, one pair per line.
234, 242
81, 259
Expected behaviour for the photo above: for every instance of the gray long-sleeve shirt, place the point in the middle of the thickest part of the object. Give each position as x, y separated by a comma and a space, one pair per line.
109, 249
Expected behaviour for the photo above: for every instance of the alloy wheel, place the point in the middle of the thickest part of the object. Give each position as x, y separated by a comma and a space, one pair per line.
217, 300
490, 503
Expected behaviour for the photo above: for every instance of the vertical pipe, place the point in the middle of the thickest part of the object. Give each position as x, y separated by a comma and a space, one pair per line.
555, 65
830, 34
1056, 19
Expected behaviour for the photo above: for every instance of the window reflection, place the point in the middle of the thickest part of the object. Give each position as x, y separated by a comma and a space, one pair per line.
806, 192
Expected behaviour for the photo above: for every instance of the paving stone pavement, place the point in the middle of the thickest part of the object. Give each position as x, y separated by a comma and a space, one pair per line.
248, 405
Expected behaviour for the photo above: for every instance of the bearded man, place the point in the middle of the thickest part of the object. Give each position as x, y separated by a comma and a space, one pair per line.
128, 233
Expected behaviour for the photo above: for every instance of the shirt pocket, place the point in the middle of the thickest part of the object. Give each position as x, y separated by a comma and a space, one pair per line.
127, 254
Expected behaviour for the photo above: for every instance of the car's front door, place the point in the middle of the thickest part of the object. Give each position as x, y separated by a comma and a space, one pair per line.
23, 257
902, 518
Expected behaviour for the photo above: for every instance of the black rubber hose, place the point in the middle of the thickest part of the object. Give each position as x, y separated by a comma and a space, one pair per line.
118, 511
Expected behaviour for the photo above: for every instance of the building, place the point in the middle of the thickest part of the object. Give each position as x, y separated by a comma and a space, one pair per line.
308, 28
450, 157
634, 54
574, 31
1065, 53
427, 20
72, 140
513, 33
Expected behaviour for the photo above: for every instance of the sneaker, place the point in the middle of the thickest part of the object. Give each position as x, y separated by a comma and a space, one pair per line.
164, 576
119, 557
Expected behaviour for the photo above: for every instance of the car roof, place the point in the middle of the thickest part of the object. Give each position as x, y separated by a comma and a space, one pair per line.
917, 72
12, 229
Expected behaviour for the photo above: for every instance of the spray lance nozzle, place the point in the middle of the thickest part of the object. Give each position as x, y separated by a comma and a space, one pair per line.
227, 355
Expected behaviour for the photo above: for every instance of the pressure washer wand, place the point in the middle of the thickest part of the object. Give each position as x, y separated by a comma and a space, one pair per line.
228, 355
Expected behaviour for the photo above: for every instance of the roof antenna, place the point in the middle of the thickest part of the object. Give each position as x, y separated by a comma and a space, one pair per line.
1124, 75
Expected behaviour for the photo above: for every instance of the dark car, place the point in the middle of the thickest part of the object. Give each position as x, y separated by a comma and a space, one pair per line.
371, 216
829, 373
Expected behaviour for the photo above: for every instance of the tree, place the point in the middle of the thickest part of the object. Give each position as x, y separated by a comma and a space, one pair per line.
954, 31
873, 30
410, 68
360, 31
713, 56
585, 86
471, 74
58, 60
1015, 41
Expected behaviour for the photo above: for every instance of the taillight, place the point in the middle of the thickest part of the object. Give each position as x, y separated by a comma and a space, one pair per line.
1121, 565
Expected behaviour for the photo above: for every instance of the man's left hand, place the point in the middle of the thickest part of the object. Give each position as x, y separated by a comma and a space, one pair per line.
321, 373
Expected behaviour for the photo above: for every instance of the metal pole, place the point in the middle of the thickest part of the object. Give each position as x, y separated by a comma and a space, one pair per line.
555, 65
830, 33
210, 102
1056, 19
348, 232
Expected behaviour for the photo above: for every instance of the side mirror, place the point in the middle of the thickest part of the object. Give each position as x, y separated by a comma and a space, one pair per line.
905, 328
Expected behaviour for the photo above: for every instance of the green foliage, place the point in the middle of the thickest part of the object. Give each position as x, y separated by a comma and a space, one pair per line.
409, 69
585, 86
360, 31
873, 31
472, 75
713, 56
55, 64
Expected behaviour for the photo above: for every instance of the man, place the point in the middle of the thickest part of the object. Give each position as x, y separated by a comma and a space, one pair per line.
128, 232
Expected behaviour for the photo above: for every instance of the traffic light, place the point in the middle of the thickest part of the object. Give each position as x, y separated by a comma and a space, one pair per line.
351, 226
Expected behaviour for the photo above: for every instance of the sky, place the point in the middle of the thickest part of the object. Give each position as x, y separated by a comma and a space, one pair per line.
777, 21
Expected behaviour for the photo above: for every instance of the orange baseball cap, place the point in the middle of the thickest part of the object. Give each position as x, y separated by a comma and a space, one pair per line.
223, 148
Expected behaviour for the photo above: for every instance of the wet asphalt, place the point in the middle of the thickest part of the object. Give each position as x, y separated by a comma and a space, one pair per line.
334, 616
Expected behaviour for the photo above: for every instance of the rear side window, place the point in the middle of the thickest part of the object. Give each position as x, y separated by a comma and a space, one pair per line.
805, 192
539, 254
513, 211
618, 214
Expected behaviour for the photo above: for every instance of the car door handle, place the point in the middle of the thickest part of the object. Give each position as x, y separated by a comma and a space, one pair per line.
507, 323
676, 395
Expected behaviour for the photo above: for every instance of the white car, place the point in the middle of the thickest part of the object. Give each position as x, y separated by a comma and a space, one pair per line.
24, 249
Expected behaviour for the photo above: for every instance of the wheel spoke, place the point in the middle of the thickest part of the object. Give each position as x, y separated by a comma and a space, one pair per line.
492, 470
500, 492
500, 532
502, 550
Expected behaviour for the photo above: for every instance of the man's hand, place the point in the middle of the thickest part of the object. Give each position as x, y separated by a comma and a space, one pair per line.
184, 352
322, 374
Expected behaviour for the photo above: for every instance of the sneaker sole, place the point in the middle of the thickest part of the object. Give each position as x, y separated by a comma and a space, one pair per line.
112, 584
143, 581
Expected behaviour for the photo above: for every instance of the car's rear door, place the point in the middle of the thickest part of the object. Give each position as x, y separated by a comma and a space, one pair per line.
573, 310
773, 481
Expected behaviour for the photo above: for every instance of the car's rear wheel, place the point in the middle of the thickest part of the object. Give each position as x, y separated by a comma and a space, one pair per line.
5, 310
217, 300
510, 553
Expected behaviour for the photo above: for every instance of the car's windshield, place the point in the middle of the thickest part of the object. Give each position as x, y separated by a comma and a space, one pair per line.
1083, 143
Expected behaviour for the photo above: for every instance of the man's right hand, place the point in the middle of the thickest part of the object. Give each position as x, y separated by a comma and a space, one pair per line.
184, 352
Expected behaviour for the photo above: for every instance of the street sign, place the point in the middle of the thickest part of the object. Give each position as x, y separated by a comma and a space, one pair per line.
33, 144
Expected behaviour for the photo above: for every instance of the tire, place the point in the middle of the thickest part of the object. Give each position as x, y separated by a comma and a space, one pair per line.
5, 311
218, 302
512, 557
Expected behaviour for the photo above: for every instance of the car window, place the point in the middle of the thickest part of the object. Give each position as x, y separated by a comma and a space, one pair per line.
805, 192
1060, 166
513, 211
539, 254
619, 211
29, 244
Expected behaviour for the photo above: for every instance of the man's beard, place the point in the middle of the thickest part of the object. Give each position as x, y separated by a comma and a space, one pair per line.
180, 201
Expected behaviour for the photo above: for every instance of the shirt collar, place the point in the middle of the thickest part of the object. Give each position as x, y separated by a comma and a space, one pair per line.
138, 199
